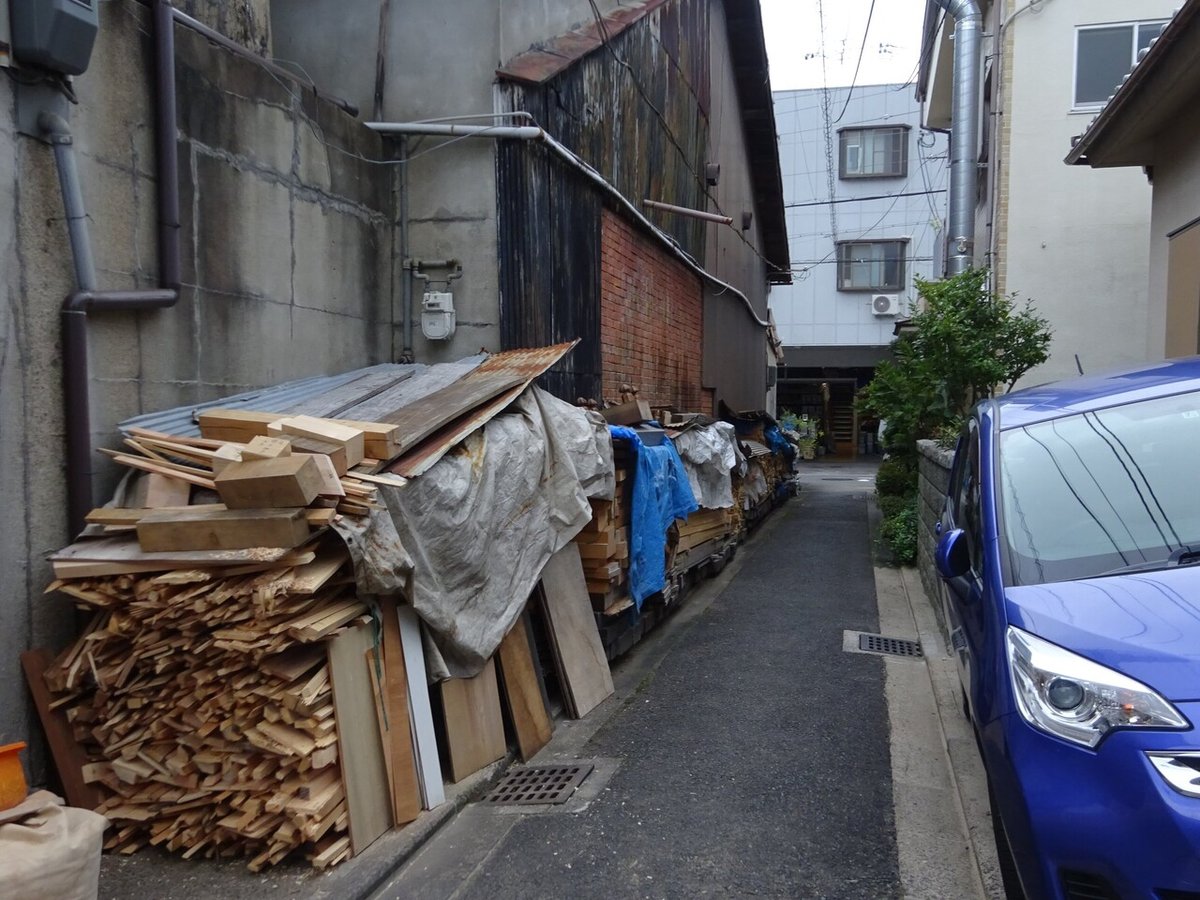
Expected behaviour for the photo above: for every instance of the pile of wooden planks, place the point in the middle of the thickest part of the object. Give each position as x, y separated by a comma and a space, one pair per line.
604, 547
703, 526
202, 706
251, 480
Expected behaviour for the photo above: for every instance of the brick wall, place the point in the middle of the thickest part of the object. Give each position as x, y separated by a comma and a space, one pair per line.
651, 320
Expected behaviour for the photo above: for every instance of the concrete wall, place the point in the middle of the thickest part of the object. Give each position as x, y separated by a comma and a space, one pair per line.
651, 320
1176, 203
933, 482
1075, 240
812, 311
441, 61
286, 270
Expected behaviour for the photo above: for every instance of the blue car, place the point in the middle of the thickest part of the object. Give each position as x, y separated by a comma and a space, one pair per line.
1070, 549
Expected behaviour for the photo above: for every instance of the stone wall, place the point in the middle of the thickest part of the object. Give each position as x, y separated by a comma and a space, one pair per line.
934, 479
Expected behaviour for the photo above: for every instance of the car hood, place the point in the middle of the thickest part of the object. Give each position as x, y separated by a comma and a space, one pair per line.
1146, 625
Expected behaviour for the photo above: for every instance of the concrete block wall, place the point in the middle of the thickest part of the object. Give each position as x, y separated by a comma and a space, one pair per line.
651, 320
286, 238
934, 479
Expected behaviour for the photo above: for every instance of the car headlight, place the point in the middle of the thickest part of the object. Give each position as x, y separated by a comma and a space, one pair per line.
1076, 699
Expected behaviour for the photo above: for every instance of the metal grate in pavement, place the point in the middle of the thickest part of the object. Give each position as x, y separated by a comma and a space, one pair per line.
538, 784
877, 643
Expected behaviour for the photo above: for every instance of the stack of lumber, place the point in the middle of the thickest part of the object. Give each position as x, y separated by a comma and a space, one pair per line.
703, 526
201, 705
276, 477
604, 548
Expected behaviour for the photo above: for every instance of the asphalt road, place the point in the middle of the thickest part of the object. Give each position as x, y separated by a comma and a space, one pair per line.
752, 759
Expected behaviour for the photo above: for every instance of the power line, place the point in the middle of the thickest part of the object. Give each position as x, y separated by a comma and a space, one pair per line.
854, 80
873, 197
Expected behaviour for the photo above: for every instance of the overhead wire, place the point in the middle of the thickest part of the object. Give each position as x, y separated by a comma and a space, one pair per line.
861, 48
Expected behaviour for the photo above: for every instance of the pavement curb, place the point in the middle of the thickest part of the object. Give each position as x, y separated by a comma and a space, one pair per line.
957, 736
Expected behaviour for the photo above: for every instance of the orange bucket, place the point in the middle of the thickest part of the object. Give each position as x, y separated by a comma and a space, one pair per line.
13, 789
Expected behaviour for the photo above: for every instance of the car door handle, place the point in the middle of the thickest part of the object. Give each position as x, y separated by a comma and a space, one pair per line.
937, 529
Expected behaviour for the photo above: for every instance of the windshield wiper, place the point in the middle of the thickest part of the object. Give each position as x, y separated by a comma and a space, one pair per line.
1182, 556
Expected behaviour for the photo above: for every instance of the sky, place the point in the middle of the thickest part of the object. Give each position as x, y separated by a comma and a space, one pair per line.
794, 41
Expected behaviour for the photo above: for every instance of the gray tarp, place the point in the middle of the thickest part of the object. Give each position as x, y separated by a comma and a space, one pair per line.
476, 530
709, 454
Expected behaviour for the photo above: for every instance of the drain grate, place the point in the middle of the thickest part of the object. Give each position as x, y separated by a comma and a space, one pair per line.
539, 784
877, 643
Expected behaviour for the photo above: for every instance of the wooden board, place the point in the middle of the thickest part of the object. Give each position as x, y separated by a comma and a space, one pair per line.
204, 528
582, 664
335, 452
406, 792
630, 413
429, 767
323, 430
69, 758
286, 481
163, 490
474, 725
361, 753
523, 692
262, 447
235, 424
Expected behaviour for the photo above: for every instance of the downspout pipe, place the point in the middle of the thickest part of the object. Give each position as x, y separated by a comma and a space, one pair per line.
533, 133
964, 131
87, 298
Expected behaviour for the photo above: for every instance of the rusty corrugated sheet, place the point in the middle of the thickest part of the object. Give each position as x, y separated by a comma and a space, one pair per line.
523, 364
543, 63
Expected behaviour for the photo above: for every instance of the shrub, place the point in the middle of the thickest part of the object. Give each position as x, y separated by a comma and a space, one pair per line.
897, 477
899, 531
891, 504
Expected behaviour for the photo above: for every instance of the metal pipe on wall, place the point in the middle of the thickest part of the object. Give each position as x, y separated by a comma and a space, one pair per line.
964, 131
86, 299
569, 157
688, 211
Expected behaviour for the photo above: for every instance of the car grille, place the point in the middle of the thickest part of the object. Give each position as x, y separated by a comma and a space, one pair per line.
1086, 886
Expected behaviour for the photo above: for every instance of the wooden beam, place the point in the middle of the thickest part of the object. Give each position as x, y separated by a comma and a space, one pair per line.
203, 528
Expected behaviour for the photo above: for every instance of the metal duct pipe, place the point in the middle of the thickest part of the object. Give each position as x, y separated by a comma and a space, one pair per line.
567, 156
964, 131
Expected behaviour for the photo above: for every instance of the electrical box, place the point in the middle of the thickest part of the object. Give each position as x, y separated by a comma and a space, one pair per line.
437, 315
54, 34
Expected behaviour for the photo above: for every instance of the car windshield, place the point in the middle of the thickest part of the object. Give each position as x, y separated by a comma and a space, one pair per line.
1097, 492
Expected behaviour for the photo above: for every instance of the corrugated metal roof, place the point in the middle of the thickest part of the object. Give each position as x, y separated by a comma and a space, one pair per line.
290, 396
525, 364
460, 397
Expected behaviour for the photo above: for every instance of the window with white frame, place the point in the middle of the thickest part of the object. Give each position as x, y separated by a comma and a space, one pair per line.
879, 152
1104, 54
871, 265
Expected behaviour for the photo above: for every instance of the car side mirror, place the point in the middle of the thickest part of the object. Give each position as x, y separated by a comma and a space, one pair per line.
953, 557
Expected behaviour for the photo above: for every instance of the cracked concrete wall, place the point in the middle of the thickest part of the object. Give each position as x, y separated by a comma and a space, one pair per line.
286, 236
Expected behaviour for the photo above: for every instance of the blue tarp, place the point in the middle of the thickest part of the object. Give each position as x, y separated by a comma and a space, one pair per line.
661, 494
777, 443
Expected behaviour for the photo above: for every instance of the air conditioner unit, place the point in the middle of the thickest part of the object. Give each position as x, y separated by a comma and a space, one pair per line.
885, 304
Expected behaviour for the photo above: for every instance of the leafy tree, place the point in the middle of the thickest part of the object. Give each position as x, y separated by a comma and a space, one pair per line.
965, 344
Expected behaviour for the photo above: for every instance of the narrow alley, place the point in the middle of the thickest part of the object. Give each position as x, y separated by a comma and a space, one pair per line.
745, 753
